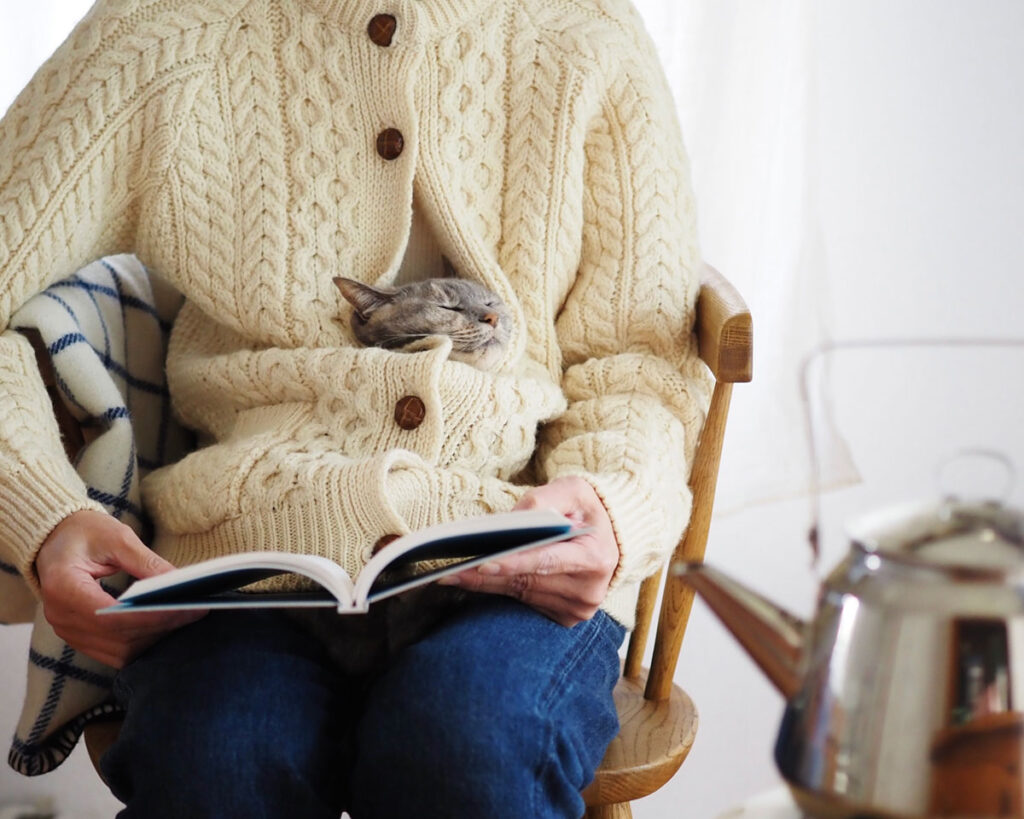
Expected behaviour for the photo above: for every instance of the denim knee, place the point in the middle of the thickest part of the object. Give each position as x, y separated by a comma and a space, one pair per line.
505, 717
218, 725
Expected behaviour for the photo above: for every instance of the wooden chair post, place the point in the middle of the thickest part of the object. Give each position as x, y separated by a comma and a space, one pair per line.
658, 721
725, 336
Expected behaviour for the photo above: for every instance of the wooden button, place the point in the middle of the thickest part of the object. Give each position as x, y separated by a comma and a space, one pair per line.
409, 412
382, 542
390, 143
382, 29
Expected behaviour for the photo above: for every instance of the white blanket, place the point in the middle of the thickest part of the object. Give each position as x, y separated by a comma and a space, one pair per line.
117, 390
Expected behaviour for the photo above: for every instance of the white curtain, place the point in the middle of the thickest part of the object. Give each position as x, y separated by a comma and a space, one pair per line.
29, 33
744, 77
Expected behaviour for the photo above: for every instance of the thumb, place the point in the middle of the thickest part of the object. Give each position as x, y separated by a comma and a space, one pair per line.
133, 556
528, 500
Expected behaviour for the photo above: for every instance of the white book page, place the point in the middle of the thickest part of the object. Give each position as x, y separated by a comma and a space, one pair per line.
522, 519
322, 570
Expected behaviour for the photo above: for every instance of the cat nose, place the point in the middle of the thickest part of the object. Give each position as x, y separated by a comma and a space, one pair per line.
490, 318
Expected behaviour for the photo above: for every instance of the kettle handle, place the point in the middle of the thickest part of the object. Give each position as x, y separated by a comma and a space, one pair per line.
819, 354
963, 459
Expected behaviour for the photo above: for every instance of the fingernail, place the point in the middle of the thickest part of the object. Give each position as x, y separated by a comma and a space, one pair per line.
489, 568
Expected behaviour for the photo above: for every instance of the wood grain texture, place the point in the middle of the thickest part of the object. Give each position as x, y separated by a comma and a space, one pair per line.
654, 739
619, 811
677, 599
99, 736
645, 606
724, 329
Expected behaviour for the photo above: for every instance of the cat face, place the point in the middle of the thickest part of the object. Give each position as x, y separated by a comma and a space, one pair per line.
471, 315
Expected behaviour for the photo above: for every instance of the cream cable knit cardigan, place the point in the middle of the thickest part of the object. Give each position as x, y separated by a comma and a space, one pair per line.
249, 150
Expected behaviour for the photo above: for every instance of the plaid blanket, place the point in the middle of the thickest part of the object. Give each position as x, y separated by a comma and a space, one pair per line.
106, 330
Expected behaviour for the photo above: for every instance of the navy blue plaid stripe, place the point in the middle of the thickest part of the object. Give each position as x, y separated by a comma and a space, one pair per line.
60, 678
118, 504
126, 299
65, 667
116, 367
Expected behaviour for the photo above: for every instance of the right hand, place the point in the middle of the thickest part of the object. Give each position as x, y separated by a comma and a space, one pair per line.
84, 547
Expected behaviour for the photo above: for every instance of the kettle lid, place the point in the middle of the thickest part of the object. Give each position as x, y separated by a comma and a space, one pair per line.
952, 533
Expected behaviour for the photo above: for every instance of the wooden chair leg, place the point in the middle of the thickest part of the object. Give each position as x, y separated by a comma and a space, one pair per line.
617, 811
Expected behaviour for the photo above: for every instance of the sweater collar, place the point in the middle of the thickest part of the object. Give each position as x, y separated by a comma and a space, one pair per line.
424, 19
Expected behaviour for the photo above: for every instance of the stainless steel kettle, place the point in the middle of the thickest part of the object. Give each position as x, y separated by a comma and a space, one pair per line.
905, 694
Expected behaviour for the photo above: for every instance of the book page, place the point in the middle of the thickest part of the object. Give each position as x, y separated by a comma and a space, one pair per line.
466, 543
215, 583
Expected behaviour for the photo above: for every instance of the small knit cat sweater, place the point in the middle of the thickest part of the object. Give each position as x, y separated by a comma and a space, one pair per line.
250, 150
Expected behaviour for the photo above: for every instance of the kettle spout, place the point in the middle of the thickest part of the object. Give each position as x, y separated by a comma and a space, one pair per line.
773, 637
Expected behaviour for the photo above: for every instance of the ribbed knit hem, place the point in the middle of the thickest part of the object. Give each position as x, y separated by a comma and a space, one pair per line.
35, 499
620, 604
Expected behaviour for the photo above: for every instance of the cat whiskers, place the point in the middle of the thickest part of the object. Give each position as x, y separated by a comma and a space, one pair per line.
401, 339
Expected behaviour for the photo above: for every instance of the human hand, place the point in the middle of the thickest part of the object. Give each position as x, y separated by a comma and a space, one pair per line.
84, 547
566, 581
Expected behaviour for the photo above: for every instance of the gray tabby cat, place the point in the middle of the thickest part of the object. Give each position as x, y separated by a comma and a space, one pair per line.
471, 315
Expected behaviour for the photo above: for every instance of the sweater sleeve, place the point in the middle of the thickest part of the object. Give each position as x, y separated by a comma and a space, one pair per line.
38, 485
80, 149
637, 391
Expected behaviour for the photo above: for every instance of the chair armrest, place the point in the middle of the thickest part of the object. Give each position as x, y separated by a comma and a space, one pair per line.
724, 328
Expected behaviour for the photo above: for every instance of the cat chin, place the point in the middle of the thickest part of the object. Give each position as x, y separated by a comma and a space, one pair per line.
487, 359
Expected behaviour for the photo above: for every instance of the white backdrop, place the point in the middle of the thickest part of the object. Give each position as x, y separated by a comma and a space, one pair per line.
859, 172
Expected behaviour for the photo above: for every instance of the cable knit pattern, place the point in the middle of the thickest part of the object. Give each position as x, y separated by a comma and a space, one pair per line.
233, 146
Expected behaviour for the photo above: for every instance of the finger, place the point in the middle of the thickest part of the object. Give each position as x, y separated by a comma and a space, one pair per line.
573, 556
571, 593
528, 501
115, 646
80, 597
133, 556
550, 496
78, 593
517, 585
555, 607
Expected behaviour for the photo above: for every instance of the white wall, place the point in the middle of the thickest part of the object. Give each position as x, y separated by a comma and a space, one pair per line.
916, 175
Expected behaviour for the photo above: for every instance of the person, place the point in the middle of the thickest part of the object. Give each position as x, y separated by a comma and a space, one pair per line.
248, 151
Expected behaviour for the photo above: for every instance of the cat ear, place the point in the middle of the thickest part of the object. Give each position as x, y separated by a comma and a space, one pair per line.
364, 298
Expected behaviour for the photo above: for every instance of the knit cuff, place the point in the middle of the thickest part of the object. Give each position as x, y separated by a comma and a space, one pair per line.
645, 531
38, 496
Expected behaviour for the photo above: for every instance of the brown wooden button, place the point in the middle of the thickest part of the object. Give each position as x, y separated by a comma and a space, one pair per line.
382, 542
382, 29
409, 412
390, 143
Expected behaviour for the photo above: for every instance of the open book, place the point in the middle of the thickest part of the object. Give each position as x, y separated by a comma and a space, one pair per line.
461, 544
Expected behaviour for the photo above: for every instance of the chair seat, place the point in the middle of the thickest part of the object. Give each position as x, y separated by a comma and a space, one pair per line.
99, 736
654, 739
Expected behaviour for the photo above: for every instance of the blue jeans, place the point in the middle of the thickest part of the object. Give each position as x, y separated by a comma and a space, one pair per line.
496, 712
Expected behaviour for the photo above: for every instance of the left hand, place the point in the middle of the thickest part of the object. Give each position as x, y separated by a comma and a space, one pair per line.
566, 581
